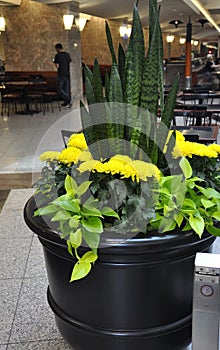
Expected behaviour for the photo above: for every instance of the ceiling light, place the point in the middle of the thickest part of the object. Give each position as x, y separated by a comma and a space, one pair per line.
176, 22
182, 41
2, 24
125, 30
170, 38
205, 13
203, 21
68, 21
195, 43
80, 23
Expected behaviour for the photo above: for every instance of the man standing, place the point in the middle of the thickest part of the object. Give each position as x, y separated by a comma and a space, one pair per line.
62, 62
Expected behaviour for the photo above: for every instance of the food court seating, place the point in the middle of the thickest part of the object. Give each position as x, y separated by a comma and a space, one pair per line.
10, 98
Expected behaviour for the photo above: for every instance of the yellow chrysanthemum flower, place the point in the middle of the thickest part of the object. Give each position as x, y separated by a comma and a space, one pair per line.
49, 156
84, 156
146, 170
179, 138
123, 165
188, 149
78, 141
69, 155
88, 166
214, 147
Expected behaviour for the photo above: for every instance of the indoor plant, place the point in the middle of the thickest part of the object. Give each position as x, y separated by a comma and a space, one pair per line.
125, 177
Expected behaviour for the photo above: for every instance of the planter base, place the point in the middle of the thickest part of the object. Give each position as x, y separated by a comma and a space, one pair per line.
82, 336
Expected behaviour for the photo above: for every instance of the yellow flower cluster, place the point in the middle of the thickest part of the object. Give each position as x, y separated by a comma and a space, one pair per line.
124, 166
49, 156
75, 152
69, 155
189, 149
77, 141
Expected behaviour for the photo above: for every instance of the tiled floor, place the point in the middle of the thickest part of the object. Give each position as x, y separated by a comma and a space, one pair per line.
24, 137
25, 324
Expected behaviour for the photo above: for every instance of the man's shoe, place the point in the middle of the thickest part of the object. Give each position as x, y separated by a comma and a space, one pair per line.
64, 104
69, 105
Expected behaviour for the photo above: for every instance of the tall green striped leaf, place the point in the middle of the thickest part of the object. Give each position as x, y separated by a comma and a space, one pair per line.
121, 66
134, 61
110, 43
97, 82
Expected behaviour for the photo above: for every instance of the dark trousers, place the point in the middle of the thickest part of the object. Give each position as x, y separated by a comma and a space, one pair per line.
64, 88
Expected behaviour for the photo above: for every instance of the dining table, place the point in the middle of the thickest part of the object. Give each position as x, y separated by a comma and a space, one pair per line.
30, 90
201, 97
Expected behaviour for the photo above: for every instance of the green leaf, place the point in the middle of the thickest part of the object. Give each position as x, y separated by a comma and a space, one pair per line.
207, 203
90, 211
209, 192
110, 43
216, 215
49, 209
167, 224
197, 224
106, 211
61, 215
83, 188
80, 270
179, 219
71, 205
69, 248
186, 167
74, 221
89, 257
70, 185
93, 224
188, 203
76, 238
215, 231
92, 239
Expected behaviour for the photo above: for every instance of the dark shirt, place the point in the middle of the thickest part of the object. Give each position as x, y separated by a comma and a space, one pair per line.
208, 66
63, 59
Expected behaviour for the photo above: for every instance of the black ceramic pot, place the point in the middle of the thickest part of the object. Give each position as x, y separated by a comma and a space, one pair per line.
137, 296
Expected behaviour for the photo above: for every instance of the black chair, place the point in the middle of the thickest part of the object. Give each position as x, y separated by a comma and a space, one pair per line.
66, 135
11, 96
192, 137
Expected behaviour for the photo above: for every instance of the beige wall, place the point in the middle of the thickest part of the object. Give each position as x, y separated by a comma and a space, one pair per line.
32, 30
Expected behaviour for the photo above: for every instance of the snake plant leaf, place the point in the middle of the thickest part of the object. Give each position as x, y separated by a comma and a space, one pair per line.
167, 117
89, 90
152, 82
91, 130
121, 66
115, 93
117, 109
110, 43
87, 125
134, 61
107, 85
88, 73
97, 82
167, 113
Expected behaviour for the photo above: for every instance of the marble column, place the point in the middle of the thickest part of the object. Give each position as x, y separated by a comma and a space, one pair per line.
74, 48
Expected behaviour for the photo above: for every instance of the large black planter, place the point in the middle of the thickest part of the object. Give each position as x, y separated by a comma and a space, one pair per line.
138, 295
